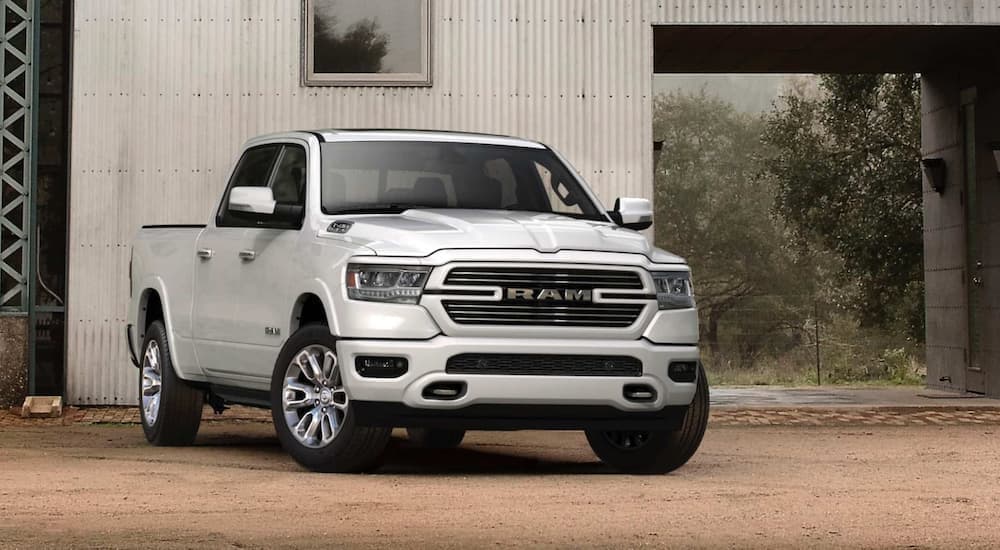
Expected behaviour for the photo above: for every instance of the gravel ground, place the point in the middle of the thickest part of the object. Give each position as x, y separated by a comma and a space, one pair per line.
749, 486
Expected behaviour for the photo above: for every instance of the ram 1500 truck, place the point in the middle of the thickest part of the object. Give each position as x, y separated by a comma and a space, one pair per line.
356, 281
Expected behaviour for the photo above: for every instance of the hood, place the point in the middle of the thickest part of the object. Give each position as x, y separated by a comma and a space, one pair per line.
421, 232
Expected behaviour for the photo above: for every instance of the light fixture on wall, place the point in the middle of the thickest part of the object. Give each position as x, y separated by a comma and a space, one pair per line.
935, 173
995, 147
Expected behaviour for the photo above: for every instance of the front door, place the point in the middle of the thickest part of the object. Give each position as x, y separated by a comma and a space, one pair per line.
218, 334
272, 260
975, 376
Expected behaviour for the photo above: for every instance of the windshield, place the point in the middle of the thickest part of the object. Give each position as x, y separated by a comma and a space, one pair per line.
391, 176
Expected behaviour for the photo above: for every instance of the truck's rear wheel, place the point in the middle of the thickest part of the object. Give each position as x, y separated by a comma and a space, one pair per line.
311, 408
170, 408
655, 452
435, 438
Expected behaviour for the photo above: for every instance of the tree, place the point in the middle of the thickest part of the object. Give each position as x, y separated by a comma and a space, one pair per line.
713, 210
845, 166
360, 49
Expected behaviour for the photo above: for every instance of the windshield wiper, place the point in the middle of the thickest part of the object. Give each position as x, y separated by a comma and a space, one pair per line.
574, 215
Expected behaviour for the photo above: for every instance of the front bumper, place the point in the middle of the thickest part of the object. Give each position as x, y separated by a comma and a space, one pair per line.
505, 400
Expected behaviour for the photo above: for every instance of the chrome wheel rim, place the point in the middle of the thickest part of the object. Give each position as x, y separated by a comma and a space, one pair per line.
627, 441
313, 397
151, 377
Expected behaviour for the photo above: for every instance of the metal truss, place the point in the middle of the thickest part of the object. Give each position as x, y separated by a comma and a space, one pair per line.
17, 182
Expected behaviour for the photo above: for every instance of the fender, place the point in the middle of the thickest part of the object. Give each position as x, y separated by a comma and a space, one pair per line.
321, 289
185, 360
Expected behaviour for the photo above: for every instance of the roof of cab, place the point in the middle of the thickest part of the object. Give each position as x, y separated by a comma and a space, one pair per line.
334, 135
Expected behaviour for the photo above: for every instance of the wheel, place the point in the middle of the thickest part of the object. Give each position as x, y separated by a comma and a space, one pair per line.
171, 408
435, 439
311, 408
655, 451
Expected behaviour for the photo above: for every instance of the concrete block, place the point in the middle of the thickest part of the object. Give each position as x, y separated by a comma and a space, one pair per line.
943, 210
41, 406
947, 326
944, 249
945, 288
947, 363
939, 130
938, 90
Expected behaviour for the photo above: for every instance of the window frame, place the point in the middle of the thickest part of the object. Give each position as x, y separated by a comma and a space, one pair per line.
264, 223
311, 78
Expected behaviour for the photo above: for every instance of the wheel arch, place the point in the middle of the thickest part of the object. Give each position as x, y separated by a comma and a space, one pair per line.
313, 305
308, 310
150, 310
153, 305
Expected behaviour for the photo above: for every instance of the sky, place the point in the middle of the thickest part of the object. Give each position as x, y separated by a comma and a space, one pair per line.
400, 19
749, 93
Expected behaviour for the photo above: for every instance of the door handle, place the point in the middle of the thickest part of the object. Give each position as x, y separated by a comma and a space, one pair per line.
205, 253
978, 281
248, 255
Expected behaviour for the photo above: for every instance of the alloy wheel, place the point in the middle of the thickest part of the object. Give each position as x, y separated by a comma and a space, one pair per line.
151, 379
313, 398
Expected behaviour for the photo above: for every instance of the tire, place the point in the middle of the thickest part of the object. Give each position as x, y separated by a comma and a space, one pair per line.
656, 452
328, 440
435, 439
170, 408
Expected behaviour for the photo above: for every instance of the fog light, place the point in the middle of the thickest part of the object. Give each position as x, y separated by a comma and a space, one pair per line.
380, 367
684, 372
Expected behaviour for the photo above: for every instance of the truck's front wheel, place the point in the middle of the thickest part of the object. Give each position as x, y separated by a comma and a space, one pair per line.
311, 408
655, 452
170, 408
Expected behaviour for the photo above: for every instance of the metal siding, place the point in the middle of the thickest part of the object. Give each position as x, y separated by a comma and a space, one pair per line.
805, 12
165, 93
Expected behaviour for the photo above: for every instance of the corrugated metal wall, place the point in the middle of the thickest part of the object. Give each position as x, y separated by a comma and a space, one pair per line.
165, 92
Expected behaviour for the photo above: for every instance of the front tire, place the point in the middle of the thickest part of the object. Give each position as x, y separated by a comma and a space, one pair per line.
311, 408
170, 408
656, 452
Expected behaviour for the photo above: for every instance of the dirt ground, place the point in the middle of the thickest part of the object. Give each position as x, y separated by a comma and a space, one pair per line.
750, 486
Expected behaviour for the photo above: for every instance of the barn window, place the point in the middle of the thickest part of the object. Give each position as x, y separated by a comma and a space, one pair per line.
367, 43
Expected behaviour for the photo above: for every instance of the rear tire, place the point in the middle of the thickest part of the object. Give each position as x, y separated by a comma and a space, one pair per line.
170, 408
656, 452
434, 438
311, 408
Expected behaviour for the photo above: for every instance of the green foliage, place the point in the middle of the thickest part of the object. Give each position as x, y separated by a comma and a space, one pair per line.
712, 210
845, 169
804, 220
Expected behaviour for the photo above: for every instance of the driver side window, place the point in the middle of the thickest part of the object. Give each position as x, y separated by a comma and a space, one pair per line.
280, 167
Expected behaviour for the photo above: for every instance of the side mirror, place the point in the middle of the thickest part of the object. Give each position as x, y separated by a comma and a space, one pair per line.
633, 213
252, 200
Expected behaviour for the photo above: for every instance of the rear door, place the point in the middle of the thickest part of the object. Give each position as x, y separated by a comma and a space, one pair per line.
218, 287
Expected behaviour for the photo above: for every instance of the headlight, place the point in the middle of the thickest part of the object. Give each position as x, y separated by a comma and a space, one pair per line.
386, 283
673, 289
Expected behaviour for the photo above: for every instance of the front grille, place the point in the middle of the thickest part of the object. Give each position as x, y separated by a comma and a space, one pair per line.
556, 311
544, 278
550, 314
544, 365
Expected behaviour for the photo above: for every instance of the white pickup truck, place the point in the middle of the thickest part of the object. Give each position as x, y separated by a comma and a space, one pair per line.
358, 281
